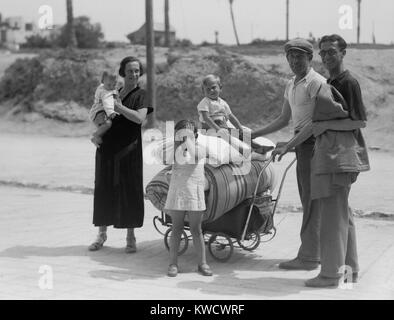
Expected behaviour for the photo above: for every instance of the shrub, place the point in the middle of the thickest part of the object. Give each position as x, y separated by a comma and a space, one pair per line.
254, 94
21, 79
183, 43
38, 41
60, 75
205, 44
88, 35
70, 75
262, 42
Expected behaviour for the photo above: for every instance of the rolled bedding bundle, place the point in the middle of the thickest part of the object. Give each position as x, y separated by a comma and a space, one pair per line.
224, 190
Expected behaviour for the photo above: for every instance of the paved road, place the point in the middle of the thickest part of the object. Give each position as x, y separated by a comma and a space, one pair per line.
48, 229
43, 231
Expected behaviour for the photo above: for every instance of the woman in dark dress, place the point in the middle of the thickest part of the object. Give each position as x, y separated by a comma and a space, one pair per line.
118, 192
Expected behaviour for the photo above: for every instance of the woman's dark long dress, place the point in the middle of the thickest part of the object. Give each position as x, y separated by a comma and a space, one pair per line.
118, 190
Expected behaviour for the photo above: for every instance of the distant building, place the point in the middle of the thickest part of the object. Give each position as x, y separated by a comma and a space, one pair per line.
15, 30
138, 37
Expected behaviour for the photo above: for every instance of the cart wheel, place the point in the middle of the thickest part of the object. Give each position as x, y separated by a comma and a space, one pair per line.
220, 246
182, 245
251, 241
265, 237
158, 224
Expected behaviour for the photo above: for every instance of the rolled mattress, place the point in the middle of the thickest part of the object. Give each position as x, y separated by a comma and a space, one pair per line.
224, 190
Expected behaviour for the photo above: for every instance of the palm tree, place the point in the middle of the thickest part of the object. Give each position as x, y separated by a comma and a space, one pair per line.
358, 20
232, 19
71, 38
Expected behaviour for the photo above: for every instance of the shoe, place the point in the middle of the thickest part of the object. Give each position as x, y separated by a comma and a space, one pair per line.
322, 282
98, 244
298, 264
205, 270
172, 270
131, 246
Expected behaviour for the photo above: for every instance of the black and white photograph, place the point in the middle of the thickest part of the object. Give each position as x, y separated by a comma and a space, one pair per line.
207, 152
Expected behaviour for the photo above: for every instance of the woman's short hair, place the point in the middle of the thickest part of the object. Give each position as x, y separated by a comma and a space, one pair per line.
334, 38
125, 61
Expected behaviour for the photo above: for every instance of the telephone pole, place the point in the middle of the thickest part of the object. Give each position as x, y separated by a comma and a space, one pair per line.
150, 63
167, 23
71, 37
358, 20
287, 20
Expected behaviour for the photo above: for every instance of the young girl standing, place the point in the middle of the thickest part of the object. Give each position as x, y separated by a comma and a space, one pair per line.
186, 195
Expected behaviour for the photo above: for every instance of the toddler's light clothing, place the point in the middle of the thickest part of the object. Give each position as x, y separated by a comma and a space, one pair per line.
103, 101
186, 191
217, 109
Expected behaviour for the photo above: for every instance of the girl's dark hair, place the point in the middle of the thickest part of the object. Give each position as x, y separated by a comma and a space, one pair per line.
126, 61
183, 124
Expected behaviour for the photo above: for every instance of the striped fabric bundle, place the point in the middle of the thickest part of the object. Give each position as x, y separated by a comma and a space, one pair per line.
225, 190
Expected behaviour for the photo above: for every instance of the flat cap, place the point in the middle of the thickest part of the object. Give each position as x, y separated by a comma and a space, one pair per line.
299, 44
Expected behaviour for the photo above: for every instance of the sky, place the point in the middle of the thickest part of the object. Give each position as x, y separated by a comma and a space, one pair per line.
198, 20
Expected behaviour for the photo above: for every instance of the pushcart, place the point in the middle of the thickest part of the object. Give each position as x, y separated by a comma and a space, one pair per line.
245, 226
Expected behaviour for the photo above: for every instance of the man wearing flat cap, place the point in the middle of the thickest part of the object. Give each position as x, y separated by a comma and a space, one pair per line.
299, 103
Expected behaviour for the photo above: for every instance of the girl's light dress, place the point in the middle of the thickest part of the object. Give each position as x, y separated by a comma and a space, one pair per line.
186, 191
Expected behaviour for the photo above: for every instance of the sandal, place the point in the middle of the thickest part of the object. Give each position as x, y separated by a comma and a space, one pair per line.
98, 244
205, 270
131, 246
172, 270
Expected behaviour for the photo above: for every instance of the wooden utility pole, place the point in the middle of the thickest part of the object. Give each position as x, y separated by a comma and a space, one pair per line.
150, 63
167, 23
287, 20
71, 38
358, 20
373, 33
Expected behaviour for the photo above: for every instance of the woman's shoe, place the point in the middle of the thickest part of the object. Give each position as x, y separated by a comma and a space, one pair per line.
205, 270
98, 244
131, 246
172, 270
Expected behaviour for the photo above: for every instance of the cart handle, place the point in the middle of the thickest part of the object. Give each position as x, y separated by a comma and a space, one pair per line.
257, 185
254, 195
281, 183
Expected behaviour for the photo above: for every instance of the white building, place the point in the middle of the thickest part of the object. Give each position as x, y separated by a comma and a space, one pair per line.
15, 30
